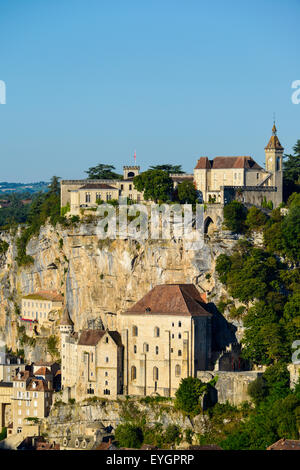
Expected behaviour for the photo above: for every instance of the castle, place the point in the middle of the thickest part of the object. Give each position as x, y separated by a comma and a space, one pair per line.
219, 180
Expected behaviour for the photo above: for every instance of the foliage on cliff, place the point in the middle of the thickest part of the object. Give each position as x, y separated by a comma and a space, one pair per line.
269, 284
276, 415
45, 206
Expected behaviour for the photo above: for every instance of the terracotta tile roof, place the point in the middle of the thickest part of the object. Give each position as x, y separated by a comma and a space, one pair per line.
45, 295
285, 444
43, 371
24, 375
203, 163
171, 299
40, 385
106, 446
90, 337
97, 186
219, 163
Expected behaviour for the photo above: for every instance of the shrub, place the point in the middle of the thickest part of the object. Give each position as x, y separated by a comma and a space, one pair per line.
257, 389
235, 216
129, 435
188, 395
3, 246
172, 434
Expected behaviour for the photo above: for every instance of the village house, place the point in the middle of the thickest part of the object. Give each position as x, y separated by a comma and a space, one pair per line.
9, 365
31, 399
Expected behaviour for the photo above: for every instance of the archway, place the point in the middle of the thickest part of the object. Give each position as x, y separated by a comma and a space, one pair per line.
209, 225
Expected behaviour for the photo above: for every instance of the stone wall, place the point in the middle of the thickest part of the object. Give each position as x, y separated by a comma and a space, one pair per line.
230, 386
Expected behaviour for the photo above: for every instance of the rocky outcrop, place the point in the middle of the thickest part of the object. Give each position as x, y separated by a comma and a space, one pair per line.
110, 413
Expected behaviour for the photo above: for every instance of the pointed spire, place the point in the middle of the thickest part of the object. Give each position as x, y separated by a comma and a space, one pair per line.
65, 319
274, 142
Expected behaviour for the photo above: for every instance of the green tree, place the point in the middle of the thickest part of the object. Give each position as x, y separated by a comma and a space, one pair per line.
156, 184
291, 233
257, 390
172, 434
188, 395
168, 168
291, 171
128, 435
255, 219
235, 216
102, 172
187, 193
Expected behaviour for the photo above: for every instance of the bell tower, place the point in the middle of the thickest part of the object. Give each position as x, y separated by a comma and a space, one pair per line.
274, 154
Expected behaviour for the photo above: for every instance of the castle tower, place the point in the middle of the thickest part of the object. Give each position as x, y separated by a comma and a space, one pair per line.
274, 154
66, 325
130, 171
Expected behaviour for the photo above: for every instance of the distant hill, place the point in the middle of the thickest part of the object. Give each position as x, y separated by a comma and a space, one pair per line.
8, 188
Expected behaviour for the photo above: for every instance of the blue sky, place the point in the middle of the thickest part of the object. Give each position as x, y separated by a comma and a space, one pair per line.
90, 81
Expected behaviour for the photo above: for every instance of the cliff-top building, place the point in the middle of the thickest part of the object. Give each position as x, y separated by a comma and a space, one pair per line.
219, 180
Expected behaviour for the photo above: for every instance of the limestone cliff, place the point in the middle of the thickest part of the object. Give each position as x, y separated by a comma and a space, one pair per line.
98, 277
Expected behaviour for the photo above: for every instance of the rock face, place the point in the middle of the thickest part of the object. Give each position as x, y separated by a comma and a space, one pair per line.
79, 417
99, 277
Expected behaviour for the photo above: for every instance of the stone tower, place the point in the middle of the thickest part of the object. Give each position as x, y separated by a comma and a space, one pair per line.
66, 325
130, 171
274, 154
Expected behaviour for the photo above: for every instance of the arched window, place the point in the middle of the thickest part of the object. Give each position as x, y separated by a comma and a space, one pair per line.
146, 347
156, 349
155, 373
179, 352
134, 330
156, 332
177, 370
133, 373
134, 349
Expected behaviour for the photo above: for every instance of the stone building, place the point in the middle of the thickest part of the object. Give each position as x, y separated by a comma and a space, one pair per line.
83, 194
92, 363
225, 178
166, 337
9, 366
41, 309
31, 398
